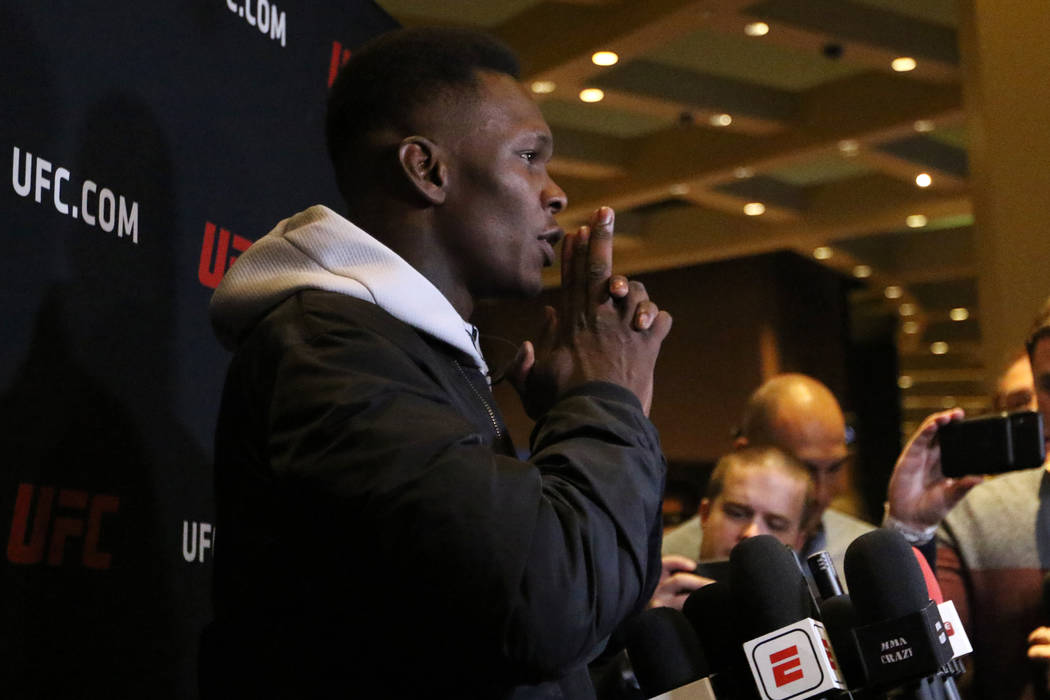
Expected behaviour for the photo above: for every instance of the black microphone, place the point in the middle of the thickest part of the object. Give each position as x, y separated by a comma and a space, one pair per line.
788, 650
666, 656
822, 568
900, 634
710, 611
839, 619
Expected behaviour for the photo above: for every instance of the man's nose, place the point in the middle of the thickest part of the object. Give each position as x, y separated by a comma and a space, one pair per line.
554, 197
753, 529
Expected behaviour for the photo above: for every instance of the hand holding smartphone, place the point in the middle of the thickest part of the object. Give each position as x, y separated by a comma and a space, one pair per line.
992, 444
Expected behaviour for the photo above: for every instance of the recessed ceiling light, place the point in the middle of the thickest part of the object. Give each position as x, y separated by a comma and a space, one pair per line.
743, 173
923, 126
543, 87
939, 348
893, 292
916, 221
848, 147
862, 271
822, 253
754, 208
721, 119
907, 309
756, 29
910, 327
903, 64
592, 95
905, 382
679, 189
604, 58
959, 313
923, 180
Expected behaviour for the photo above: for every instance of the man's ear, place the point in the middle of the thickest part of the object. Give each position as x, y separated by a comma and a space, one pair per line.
704, 510
424, 167
740, 442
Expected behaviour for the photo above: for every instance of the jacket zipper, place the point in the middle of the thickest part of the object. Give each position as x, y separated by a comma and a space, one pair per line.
488, 407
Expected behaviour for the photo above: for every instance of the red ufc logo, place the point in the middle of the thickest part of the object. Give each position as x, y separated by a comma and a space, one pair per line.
786, 666
339, 57
215, 257
81, 517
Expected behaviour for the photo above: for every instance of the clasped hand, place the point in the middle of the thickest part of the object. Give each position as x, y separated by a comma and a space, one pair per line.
605, 327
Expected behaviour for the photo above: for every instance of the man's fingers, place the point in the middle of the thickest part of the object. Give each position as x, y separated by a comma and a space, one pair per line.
1040, 635
644, 315
676, 562
957, 488
600, 255
1039, 643
618, 286
661, 326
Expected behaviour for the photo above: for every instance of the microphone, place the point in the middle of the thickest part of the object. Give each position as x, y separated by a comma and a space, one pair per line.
839, 619
822, 568
949, 616
711, 613
900, 634
788, 651
666, 656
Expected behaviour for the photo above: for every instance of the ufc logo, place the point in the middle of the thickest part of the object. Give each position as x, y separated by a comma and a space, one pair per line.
339, 57
80, 516
215, 254
786, 666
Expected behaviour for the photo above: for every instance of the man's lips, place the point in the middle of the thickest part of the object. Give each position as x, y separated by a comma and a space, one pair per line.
548, 241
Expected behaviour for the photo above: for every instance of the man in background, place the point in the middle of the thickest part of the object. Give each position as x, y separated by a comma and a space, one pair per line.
801, 416
752, 491
994, 549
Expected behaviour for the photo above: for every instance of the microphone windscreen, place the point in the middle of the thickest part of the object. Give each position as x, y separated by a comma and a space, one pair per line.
839, 620
710, 612
933, 587
884, 579
664, 651
769, 589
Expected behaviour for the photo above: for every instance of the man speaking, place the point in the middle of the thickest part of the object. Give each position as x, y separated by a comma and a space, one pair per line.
379, 538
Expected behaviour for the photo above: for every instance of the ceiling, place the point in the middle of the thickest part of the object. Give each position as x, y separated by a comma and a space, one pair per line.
821, 131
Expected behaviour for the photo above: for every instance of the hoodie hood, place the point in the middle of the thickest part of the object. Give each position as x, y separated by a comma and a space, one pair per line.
319, 249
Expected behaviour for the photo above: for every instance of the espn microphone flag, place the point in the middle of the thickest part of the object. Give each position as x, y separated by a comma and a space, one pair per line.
789, 652
794, 661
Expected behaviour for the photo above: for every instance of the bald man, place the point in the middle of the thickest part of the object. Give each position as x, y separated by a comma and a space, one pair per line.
801, 416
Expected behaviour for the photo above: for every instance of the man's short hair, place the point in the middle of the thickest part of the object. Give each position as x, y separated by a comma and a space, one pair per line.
1040, 329
764, 456
386, 81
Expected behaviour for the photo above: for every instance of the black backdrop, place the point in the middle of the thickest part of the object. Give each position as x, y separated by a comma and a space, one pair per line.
147, 144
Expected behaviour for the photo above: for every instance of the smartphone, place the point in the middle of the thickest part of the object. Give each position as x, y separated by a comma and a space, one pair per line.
992, 444
717, 570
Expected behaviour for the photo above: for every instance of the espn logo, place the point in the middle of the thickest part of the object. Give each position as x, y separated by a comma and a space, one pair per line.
793, 662
786, 665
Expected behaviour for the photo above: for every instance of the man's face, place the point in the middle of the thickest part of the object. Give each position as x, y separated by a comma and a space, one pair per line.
1015, 389
1041, 372
498, 218
818, 440
754, 501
